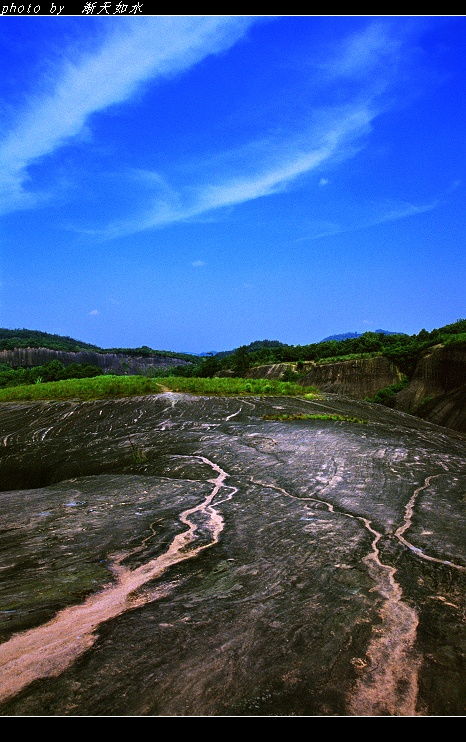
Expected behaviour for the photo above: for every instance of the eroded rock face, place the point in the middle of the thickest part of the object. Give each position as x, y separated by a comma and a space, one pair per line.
437, 391
271, 370
357, 378
115, 363
172, 555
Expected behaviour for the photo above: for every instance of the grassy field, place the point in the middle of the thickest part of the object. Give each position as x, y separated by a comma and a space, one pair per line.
102, 387
228, 387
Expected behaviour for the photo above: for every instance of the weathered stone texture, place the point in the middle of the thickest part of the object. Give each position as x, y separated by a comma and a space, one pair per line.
115, 363
173, 555
437, 391
356, 379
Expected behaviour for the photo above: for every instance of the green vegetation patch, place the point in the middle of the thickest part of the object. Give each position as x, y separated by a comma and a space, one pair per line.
52, 371
458, 341
317, 416
95, 388
387, 395
236, 386
108, 386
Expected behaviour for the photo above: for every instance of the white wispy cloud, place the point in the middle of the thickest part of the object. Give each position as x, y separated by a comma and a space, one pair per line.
134, 51
327, 133
144, 49
380, 214
374, 48
287, 161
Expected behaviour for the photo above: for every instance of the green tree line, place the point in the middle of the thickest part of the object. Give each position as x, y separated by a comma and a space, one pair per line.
12, 339
403, 350
53, 371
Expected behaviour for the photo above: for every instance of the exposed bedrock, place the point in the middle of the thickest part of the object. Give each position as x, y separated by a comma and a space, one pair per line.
115, 363
172, 555
356, 378
437, 391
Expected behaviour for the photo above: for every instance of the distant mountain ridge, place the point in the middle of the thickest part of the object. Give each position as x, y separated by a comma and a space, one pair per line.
24, 338
348, 335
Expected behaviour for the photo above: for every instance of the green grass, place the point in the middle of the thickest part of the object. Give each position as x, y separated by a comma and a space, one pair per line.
107, 386
319, 416
95, 388
237, 387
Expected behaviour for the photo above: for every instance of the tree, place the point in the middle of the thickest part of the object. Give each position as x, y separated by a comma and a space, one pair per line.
209, 366
241, 361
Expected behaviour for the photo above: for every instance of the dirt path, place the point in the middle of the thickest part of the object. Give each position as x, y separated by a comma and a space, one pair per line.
388, 682
388, 685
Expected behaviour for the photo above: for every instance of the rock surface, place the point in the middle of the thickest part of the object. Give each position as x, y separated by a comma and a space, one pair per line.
357, 378
437, 391
115, 363
172, 555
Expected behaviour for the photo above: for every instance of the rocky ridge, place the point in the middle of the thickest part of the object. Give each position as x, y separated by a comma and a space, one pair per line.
115, 363
436, 391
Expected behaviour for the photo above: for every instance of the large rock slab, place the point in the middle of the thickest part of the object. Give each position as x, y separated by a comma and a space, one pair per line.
357, 378
112, 363
172, 555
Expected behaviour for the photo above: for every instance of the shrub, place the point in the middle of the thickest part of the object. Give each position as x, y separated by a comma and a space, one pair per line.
387, 395
317, 416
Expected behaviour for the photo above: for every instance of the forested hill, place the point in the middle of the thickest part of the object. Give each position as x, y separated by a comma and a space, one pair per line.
12, 339
403, 349
348, 335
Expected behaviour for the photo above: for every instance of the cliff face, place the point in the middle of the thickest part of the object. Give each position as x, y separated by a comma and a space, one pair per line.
357, 379
270, 371
115, 363
437, 391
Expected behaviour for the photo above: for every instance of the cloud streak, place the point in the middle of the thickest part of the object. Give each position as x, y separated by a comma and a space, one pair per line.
152, 48
134, 51
386, 213
289, 162
375, 49
324, 135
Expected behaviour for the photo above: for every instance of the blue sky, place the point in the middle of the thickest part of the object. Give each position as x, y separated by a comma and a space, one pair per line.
195, 183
